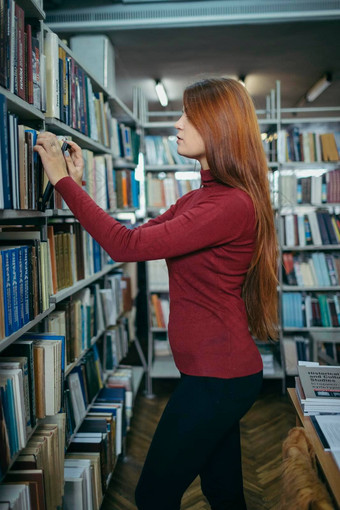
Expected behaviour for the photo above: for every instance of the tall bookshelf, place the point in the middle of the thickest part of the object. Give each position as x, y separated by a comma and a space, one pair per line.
308, 225
99, 270
273, 121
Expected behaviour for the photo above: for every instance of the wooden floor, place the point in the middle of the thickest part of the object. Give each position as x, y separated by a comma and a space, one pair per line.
263, 430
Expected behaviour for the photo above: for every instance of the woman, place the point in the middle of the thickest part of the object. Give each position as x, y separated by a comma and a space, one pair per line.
220, 246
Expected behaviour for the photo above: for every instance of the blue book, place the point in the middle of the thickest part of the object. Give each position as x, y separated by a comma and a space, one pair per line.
134, 190
26, 283
12, 430
6, 410
14, 268
4, 152
97, 260
7, 290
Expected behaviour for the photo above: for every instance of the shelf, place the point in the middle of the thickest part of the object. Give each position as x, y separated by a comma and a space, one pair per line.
137, 376
171, 168
158, 330
69, 291
311, 329
324, 247
164, 367
32, 9
298, 288
121, 163
20, 107
313, 165
5, 342
13, 214
60, 128
309, 120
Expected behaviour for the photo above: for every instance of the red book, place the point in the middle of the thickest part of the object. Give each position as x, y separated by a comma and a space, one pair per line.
20, 57
29, 65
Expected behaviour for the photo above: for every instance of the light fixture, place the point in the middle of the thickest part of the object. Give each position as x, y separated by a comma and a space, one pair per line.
319, 87
161, 93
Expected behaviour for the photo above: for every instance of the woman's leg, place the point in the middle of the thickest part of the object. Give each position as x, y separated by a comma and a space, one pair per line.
198, 417
221, 475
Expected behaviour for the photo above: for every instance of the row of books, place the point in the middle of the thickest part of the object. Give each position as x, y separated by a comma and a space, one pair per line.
31, 387
74, 254
24, 282
320, 310
318, 228
314, 189
20, 60
70, 98
317, 269
22, 176
80, 476
40, 468
162, 150
116, 343
296, 145
164, 192
82, 316
110, 187
159, 306
32, 270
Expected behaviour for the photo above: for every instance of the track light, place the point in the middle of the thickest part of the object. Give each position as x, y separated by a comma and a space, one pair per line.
319, 87
161, 93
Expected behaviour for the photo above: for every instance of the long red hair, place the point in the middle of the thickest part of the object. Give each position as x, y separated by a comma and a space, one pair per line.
223, 113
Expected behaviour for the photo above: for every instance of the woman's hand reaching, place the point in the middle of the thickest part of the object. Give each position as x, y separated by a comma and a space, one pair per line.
56, 164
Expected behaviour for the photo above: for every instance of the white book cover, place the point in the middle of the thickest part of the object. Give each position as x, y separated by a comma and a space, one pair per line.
314, 226
51, 50
77, 398
290, 230
301, 230
85, 465
74, 494
101, 185
109, 307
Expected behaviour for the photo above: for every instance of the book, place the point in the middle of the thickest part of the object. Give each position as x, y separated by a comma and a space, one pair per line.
320, 382
52, 75
327, 427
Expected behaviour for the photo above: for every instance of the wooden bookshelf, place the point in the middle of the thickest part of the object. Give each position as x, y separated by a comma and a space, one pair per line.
325, 459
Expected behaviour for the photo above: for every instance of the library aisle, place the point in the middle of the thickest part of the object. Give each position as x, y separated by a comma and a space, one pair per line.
263, 430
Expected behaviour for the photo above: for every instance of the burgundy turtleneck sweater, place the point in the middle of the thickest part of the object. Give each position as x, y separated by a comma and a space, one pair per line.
207, 239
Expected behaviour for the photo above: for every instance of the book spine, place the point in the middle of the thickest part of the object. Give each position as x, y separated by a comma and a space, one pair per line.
20, 45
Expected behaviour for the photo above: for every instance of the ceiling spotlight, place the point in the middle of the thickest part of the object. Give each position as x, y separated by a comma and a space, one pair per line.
319, 87
161, 93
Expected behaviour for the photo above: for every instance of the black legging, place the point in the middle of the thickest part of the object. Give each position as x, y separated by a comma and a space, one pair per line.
198, 434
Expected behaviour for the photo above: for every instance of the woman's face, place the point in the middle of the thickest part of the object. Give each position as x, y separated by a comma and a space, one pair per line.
189, 141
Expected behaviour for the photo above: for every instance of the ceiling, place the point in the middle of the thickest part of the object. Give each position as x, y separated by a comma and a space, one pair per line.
296, 49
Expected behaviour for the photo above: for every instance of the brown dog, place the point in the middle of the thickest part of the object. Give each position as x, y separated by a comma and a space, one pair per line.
302, 488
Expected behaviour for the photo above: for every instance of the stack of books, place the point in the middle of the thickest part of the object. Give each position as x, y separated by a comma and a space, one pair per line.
318, 388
